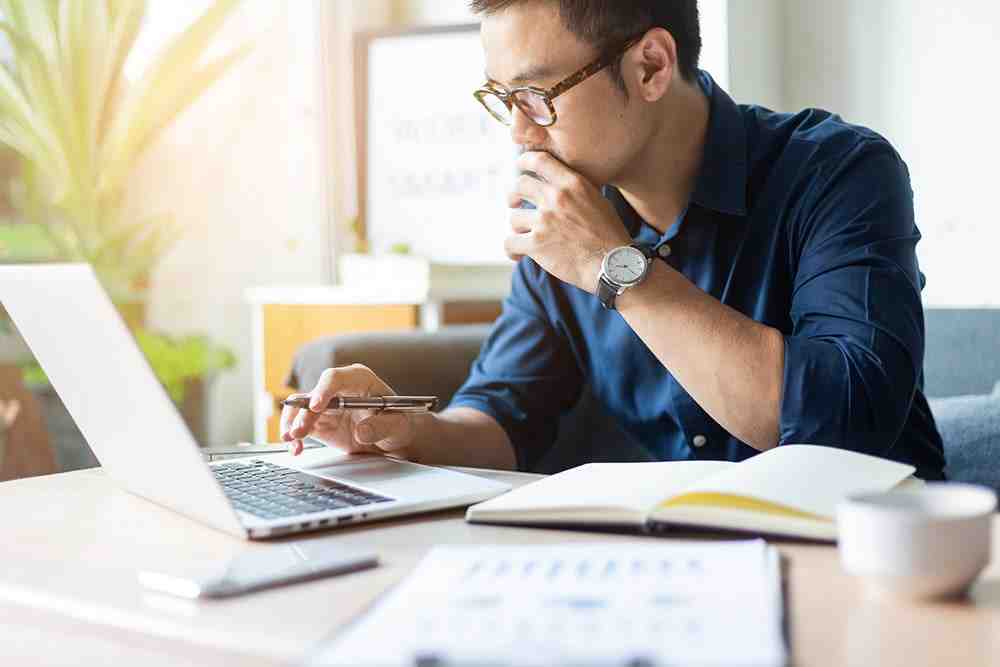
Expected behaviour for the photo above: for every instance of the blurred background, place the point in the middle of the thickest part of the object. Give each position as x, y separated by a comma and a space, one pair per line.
267, 174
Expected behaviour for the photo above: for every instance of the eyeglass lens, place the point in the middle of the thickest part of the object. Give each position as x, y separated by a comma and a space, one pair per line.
533, 105
496, 106
530, 103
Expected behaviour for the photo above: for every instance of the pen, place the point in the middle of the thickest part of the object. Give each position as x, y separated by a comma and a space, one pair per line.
381, 403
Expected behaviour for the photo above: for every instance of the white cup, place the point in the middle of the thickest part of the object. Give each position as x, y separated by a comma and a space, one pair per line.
930, 542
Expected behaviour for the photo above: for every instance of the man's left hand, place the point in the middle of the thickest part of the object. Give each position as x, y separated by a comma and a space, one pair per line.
572, 227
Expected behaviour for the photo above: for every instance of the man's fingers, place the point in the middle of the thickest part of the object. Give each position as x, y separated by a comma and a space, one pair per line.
390, 431
527, 189
547, 167
522, 221
517, 246
302, 423
288, 414
356, 380
335, 428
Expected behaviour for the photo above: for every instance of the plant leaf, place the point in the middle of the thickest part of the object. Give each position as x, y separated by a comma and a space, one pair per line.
126, 21
193, 88
166, 79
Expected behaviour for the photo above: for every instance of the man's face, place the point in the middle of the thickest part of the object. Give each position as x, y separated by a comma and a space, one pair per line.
527, 45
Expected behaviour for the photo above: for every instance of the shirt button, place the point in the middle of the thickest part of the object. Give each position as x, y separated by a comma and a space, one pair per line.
699, 441
663, 251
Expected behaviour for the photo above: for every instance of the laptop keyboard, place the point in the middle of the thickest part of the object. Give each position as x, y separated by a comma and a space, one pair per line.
271, 492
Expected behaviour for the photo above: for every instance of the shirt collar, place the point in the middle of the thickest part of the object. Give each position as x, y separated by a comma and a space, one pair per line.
722, 180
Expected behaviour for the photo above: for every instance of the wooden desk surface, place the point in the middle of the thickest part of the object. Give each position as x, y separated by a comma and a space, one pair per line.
72, 542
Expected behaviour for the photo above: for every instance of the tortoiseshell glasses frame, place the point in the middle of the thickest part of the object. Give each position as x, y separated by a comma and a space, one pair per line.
536, 103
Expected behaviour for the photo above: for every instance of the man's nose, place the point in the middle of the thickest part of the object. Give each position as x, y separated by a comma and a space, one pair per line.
523, 131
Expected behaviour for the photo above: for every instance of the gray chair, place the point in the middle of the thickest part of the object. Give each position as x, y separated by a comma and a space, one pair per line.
961, 367
961, 376
962, 351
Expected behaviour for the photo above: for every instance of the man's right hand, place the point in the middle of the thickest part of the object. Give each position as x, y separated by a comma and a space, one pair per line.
353, 431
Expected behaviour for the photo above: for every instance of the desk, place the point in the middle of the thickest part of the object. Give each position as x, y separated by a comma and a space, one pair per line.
68, 594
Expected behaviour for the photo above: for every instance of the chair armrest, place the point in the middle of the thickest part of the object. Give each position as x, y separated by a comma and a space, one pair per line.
412, 362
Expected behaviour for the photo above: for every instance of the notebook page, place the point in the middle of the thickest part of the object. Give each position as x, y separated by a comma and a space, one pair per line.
594, 486
806, 479
582, 604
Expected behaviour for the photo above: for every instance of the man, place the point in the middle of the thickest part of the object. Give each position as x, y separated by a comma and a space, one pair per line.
772, 295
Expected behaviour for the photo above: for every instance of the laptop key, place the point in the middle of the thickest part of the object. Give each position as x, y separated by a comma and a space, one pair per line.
271, 491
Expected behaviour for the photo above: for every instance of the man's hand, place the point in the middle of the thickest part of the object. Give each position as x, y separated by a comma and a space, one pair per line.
354, 431
572, 227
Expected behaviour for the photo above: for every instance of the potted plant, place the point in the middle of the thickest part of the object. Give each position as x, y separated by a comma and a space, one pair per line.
74, 129
180, 362
78, 130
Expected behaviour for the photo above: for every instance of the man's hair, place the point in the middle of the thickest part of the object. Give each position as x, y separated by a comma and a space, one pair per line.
607, 24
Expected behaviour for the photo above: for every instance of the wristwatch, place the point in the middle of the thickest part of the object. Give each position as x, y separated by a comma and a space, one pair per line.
622, 268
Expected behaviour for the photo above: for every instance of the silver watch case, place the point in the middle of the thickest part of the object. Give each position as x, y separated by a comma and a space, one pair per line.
618, 285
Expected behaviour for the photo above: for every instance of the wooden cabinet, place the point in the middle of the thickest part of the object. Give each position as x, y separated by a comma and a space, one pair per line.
287, 326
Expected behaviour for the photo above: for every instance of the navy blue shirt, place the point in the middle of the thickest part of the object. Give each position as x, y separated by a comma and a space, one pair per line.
801, 222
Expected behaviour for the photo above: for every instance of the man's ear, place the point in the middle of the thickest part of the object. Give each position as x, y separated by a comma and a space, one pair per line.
653, 61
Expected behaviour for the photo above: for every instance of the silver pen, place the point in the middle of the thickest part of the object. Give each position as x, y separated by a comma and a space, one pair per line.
379, 403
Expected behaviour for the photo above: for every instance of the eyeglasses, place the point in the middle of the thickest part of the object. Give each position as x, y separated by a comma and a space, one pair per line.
536, 103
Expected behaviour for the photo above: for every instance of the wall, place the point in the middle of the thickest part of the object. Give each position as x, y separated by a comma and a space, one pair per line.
756, 45
245, 172
240, 171
434, 11
922, 74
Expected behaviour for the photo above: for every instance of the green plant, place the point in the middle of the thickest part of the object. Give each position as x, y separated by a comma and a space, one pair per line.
25, 243
174, 360
359, 242
78, 129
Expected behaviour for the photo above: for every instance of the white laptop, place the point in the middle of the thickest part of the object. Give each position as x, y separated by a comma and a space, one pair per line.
82, 344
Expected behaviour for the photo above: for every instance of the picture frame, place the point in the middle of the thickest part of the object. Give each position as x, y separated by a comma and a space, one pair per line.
433, 168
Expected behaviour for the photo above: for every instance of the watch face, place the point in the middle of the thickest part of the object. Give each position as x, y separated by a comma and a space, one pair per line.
625, 266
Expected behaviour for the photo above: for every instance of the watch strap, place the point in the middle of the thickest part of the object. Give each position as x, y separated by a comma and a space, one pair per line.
606, 292
646, 250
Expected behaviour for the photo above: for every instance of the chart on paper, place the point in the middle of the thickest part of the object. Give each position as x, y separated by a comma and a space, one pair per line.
621, 603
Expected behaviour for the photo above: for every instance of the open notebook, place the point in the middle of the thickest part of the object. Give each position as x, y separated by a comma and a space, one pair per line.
789, 490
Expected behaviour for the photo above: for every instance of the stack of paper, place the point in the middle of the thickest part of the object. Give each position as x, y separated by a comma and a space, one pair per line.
624, 603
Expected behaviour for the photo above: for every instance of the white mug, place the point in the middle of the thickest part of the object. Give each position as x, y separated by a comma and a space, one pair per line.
929, 542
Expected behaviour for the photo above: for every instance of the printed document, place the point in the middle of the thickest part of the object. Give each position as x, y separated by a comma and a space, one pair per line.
613, 603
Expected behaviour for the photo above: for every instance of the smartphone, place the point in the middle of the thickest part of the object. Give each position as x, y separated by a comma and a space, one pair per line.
259, 568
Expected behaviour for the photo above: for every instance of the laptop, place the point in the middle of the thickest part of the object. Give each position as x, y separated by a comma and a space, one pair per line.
140, 439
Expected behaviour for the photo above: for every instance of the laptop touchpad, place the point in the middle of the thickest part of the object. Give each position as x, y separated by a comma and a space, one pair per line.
389, 477
368, 470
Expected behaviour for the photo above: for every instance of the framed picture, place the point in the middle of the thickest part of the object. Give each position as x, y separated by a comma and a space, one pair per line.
433, 167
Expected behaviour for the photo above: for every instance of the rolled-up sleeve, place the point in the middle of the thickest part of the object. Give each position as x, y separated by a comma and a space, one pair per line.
853, 359
526, 375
